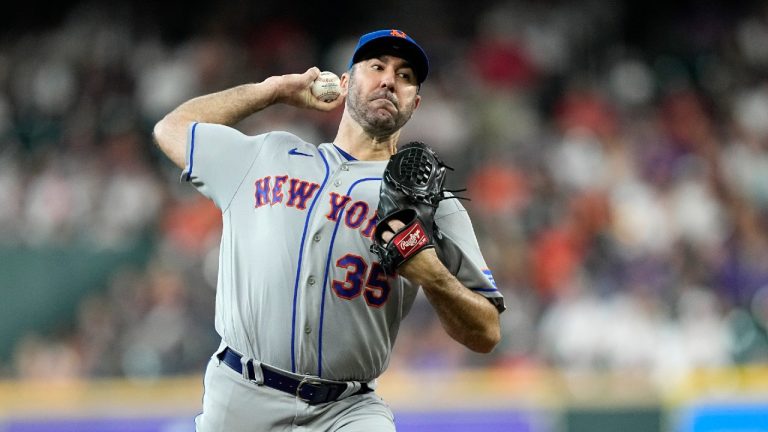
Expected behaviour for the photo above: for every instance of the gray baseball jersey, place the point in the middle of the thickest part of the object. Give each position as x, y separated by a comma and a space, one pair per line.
298, 287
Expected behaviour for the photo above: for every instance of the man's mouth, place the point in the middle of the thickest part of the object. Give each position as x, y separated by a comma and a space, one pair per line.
385, 105
385, 99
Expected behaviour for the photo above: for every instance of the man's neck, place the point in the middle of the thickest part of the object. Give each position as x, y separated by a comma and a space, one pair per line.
352, 139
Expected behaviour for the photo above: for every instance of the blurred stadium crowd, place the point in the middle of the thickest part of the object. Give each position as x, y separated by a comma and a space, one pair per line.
618, 171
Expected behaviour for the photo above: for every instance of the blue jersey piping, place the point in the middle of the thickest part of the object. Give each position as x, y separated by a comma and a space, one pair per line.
325, 278
346, 155
485, 289
301, 257
191, 151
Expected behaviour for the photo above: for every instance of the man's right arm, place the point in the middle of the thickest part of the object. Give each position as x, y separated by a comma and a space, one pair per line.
230, 106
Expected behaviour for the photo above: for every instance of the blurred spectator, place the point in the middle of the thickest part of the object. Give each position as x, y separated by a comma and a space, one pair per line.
159, 342
131, 196
11, 189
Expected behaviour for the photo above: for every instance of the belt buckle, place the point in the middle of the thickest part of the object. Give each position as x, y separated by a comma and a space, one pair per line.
306, 380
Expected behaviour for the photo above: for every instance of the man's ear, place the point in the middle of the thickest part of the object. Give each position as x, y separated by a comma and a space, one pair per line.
344, 84
417, 102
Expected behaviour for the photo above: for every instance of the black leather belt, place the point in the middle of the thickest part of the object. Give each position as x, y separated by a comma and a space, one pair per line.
311, 391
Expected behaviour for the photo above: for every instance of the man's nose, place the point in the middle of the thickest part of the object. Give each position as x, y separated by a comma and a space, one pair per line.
388, 81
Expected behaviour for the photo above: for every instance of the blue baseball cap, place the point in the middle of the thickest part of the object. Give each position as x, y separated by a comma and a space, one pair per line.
392, 42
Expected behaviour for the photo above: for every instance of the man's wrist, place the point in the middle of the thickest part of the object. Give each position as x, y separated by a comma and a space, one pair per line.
270, 89
424, 269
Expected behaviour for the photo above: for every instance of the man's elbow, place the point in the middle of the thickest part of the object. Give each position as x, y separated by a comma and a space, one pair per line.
170, 136
485, 343
160, 132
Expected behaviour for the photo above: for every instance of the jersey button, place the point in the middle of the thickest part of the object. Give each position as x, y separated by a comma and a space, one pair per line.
311, 280
307, 329
337, 183
316, 237
345, 167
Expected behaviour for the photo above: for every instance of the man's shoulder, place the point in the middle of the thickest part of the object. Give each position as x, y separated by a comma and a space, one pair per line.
449, 206
278, 137
284, 136
285, 141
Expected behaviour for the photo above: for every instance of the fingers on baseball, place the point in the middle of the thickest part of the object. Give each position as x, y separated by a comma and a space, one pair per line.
329, 105
313, 73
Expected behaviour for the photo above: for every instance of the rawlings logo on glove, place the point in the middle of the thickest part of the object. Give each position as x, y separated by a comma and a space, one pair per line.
410, 192
411, 240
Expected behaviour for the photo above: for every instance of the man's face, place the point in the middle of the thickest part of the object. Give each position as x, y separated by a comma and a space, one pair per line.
382, 94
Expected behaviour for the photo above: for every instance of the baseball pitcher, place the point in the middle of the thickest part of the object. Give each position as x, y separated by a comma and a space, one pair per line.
324, 247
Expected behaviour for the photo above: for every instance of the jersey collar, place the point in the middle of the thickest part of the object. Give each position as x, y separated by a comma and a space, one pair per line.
346, 155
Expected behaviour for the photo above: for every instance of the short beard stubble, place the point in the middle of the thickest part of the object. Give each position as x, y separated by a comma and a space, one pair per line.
373, 124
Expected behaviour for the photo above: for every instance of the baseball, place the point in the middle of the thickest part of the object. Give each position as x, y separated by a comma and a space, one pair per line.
327, 86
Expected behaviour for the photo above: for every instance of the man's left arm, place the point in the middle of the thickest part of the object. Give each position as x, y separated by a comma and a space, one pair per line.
467, 317
411, 201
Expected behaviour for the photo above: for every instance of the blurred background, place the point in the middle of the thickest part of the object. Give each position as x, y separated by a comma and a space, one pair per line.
616, 155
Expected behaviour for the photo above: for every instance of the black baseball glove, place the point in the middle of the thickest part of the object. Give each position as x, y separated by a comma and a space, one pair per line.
411, 189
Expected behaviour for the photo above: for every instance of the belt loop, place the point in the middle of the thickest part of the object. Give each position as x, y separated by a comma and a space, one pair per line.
352, 388
373, 384
251, 365
244, 361
258, 373
218, 354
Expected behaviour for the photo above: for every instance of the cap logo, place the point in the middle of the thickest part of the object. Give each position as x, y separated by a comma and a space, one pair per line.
398, 33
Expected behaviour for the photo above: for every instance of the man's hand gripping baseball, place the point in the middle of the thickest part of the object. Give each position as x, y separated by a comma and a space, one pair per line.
295, 90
